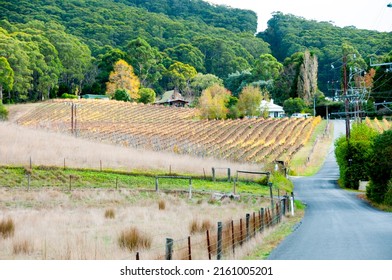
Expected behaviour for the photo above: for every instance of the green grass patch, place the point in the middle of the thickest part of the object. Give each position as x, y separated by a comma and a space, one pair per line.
299, 164
43, 176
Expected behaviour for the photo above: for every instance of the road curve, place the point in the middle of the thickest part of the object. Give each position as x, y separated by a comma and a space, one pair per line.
337, 225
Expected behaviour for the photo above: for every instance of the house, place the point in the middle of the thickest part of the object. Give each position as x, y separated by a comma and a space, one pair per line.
274, 111
172, 98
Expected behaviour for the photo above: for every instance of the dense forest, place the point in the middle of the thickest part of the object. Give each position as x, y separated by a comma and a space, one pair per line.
52, 47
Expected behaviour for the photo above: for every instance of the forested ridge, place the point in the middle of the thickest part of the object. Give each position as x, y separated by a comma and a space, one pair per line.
288, 34
52, 47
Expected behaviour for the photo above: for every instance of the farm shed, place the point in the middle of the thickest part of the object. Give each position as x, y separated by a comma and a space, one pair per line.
95, 96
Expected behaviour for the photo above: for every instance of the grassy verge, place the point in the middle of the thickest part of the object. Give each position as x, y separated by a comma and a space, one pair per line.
310, 158
42, 176
271, 241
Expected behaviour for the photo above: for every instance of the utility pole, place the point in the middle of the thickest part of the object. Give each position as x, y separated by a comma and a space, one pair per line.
346, 102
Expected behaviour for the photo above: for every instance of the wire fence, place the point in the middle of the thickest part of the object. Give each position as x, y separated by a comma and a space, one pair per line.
224, 240
220, 241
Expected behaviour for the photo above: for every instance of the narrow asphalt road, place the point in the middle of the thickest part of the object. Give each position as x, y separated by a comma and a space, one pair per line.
337, 225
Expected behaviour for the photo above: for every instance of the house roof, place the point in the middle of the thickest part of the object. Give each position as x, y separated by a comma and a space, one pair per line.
271, 106
170, 96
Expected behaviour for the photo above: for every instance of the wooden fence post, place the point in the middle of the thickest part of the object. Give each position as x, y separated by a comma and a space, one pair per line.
271, 196
169, 248
241, 235
156, 185
213, 174
262, 219
247, 226
228, 174
116, 183
219, 242
137, 256
189, 249
208, 244
70, 182
254, 224
232, 236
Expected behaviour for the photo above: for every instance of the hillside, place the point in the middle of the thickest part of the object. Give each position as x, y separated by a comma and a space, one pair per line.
288, 34
175, 130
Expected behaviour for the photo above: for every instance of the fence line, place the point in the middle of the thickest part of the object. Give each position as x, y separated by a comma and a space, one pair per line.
228, 237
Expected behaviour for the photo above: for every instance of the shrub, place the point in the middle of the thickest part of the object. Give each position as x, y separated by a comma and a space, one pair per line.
3, 112
133, 239
353, 156
109, 213
380, 168
7, 228
121, 95
68, 96
147, 95
388, 194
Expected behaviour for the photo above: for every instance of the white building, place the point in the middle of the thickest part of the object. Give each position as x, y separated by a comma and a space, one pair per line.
274, 111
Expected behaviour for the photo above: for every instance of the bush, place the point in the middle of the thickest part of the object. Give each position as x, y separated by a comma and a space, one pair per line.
380, 168
147, 95
121, 95
388, 194
3, 112
353, 156
68, 96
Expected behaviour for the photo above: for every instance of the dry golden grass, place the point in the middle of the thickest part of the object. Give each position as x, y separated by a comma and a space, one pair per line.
57, 224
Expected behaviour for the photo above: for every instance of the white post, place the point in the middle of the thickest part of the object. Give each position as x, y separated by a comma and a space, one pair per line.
292, 205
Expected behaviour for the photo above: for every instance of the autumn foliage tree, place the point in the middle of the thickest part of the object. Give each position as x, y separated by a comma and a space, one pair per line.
123, 78
249, 101
213, 101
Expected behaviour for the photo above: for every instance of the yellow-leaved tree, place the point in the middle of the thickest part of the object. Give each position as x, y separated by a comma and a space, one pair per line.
122, 78
213, 101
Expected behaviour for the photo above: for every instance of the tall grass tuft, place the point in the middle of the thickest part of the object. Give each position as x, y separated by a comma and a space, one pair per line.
110, 213
22, 247
161, 204
195, 226
7, 228
133, 239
